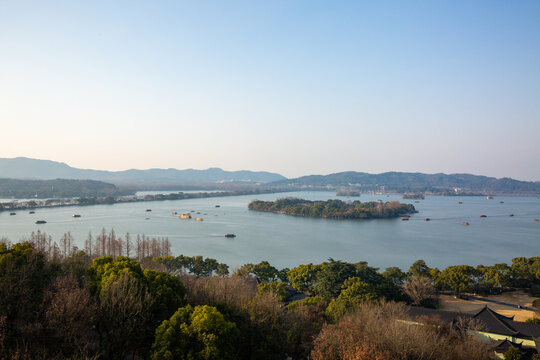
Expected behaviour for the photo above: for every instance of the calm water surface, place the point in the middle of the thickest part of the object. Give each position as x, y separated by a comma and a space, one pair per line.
287, 241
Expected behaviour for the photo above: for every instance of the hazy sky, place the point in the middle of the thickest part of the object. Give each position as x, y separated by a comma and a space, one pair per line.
296, 87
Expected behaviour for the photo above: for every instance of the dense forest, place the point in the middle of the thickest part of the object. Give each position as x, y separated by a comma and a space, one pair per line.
59, 188
124, 297
333, 209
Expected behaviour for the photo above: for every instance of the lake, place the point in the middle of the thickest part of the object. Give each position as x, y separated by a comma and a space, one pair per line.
286, 241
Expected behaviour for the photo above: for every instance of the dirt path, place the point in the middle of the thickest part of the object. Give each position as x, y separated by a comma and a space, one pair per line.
514, 298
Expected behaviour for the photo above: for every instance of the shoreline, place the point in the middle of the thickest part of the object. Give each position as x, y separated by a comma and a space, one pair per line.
82, 201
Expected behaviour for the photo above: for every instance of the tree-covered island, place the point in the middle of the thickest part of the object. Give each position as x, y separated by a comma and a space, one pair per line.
334, 209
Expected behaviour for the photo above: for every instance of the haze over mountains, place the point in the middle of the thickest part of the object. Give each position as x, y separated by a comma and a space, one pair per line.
402, 182
25, 168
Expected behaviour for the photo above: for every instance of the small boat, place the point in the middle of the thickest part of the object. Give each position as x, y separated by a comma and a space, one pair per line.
199, 219
218, 205
465, 223
404, 218
185, 216
489, 197
501, 202
511, 215
198, 212
41, 222
76, 215
148, 210
12, 213
230, 235
537, 220
483, 215
32, 212
460, 202
174, 213
146, 218
427, 219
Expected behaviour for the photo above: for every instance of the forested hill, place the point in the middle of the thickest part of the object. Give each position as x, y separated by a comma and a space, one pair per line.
401, 182
25, 168
56, 188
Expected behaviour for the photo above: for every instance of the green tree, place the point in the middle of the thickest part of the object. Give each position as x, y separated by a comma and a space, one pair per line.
199, 266
331, 277
195, 333
283, 275
419, 268
274, 287
302, 277
525, 272
355, 291
105, 268
503, 276
395, 275
459, 278
167, 292
263, 271
222, 270
172, 264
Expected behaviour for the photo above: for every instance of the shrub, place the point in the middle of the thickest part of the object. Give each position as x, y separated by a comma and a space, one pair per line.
195, 333
378, 331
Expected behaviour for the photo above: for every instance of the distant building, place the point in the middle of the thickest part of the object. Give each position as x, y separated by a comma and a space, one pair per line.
501, 331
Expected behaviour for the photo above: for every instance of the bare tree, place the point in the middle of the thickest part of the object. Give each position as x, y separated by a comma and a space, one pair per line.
139, 248
381, 331
419, 289
125, 315
70, 316
111, 242
88, 244
128, 245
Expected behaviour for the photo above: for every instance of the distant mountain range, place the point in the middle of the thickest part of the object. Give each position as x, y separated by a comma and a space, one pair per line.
25, 168
406, 182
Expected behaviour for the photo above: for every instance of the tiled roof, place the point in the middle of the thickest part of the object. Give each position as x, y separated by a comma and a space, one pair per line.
502, 346
496, 323
492, 321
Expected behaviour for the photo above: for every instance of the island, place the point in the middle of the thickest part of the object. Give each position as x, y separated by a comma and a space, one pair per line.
334, 209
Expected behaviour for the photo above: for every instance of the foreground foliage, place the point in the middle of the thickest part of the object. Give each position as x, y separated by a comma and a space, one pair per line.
195, 333
67, 304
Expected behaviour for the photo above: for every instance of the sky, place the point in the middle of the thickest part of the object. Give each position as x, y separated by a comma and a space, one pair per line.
294, 87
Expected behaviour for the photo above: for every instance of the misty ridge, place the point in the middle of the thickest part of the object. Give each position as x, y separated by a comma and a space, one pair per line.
25, 177
25, 168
